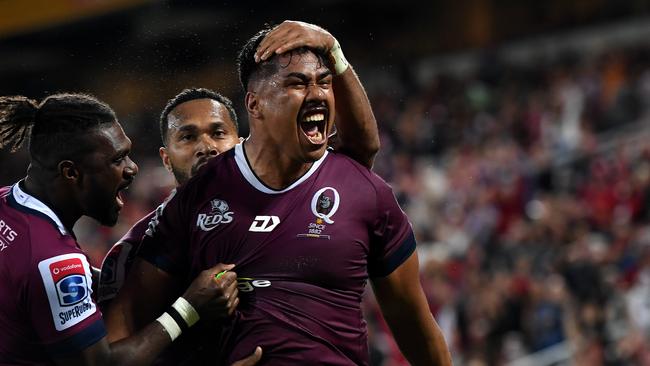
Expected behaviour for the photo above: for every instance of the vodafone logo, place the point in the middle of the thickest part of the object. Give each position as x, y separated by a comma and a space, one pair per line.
59, 269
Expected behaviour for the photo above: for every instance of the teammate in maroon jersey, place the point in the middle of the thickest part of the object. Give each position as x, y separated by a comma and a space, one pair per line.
79, 166
196, 125
306, 227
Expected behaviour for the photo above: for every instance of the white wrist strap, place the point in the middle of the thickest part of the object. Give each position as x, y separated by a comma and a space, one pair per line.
170, 325
338, 59
187, 311
180, 316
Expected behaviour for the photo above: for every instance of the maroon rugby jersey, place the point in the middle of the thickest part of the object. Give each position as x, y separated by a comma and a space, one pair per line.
46, 308
118, 260
303, 254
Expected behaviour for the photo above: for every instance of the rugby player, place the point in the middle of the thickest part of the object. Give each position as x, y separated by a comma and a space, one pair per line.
198, 124
307, 227
79, 166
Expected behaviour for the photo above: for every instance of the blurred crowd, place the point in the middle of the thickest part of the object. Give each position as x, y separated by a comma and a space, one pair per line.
528, 188
529, 191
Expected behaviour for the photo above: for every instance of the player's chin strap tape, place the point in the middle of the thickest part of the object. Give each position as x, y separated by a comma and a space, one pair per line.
178, 318
338, 59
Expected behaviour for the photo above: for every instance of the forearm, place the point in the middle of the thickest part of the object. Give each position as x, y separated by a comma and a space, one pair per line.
407, 313
355, 121
142, 347
417, 335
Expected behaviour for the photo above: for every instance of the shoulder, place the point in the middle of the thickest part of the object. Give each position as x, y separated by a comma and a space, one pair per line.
214, 167
201, 184
137, 231
341, 164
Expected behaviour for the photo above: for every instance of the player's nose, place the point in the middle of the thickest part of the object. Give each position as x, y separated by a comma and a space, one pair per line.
206, 146
315, 92
131, 168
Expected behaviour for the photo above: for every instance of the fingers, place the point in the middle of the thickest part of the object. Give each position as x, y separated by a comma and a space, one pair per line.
221, 267
250, 360
271, 42
291, 35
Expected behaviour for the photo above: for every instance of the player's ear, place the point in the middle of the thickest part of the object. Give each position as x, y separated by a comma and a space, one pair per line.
68, 170
165, 158
252, 105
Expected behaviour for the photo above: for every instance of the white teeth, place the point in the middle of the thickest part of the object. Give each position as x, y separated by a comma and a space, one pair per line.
315, 118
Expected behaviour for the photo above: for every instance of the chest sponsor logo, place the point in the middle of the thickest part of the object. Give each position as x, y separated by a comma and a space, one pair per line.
264, 224
67, 282
7, 235
247, 284
219, 214
324, 204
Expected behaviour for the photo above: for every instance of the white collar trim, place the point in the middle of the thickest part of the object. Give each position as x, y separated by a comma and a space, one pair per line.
247, 172
25, 199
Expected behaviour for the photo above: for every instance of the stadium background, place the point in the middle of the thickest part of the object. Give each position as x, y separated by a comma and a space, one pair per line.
515, 135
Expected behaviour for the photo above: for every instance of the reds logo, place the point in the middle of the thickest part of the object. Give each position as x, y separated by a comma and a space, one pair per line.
219, 214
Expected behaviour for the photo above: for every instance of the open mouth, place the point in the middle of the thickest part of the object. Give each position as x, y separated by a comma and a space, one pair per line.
312, 124
119, 197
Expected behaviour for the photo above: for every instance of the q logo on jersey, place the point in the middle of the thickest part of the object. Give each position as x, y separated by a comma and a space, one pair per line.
325, 203
68, 285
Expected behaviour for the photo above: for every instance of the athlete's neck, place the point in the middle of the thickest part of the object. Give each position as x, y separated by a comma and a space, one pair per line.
272, 166
50, 194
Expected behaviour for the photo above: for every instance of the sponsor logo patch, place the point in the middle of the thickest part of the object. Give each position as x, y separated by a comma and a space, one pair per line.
247, 284
7, 235
264, 224
219, 214
67, 281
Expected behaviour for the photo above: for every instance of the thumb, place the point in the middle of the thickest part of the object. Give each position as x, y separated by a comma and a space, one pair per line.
250, 360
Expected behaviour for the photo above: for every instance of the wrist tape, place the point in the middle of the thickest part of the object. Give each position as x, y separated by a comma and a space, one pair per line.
337, 58
178, 318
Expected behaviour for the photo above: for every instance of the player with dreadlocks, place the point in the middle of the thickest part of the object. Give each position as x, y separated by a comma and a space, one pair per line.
79, 166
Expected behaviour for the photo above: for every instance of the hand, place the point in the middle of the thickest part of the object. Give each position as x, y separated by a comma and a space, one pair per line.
250, 360
291, 35
212, 297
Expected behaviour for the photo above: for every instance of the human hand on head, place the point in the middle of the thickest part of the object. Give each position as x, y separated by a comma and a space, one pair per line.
213, 293
291, 35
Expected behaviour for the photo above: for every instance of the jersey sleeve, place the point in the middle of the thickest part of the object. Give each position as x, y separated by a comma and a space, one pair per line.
61, 308
165, 243
391, 240
117, 263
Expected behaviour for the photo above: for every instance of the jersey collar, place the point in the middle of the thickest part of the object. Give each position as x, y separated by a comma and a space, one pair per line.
251, 177
28, 201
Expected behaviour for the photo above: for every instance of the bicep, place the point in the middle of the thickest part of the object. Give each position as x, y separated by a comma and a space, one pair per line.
400, 288
147, 291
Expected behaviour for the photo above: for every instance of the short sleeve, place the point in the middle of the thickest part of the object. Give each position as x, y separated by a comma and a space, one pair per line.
117, 263
392, 239
62, 311
165, 243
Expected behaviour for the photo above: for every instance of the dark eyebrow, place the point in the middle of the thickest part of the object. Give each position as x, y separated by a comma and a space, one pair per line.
324, 74
186, 128
298, 75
